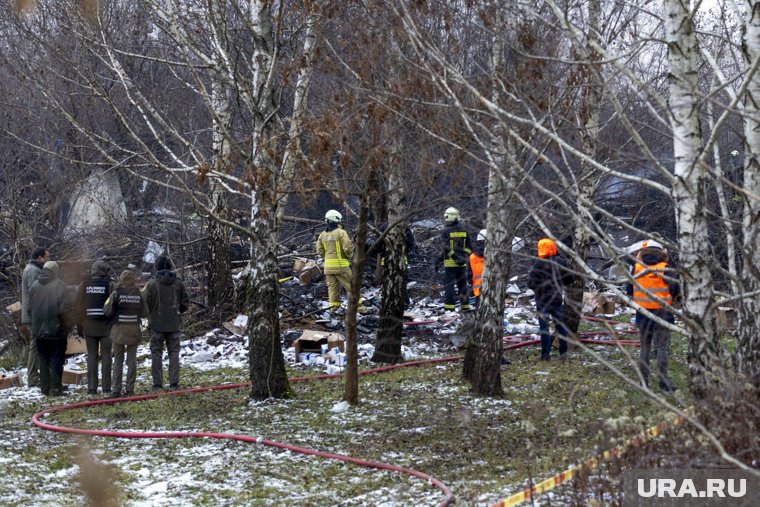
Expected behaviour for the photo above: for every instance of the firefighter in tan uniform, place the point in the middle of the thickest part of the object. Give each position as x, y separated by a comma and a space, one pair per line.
336, 248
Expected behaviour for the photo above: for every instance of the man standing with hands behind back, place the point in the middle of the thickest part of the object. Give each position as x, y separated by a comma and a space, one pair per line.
166, 298
30, 275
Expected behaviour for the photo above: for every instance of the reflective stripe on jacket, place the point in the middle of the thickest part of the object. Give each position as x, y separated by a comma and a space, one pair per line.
476, 266
650, 278
336, 248
96, 292
458, 248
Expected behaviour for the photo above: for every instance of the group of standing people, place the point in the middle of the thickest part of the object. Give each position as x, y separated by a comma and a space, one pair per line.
654, 289
108, 315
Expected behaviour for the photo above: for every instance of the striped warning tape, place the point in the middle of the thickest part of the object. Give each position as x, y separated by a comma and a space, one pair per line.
589, 464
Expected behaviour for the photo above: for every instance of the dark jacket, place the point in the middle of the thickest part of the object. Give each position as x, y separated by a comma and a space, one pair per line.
50, 307
90, 298
28, 277
456, 246
125, 307
165, 298
547, 278
408, 239
651, 257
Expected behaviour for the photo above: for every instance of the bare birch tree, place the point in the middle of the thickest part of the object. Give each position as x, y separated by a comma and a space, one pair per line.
689, 194
748, 352
222, 55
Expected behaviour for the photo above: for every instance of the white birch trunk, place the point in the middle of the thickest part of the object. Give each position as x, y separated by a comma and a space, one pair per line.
298, 118
748, 353
690, 197
266, 362
482, 363
723, 204
389, 333
588, 123
218, 265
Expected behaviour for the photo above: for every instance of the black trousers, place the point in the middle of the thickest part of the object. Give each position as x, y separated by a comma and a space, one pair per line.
52, 352
455, 286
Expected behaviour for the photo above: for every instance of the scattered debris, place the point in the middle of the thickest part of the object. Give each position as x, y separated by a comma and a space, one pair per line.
76, 345
598, 303
340, 407
9, 380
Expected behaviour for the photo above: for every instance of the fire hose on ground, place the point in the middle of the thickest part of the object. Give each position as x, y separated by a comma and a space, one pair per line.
37, 419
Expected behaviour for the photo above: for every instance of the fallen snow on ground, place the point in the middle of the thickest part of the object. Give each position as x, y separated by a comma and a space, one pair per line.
159, 471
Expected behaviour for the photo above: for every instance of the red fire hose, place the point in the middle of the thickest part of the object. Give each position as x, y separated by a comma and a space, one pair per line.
447, 496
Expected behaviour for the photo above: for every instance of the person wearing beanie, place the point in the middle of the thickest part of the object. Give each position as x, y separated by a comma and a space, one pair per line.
166, 298
31, 272
91, 295
51, 319
547, 278
125, 307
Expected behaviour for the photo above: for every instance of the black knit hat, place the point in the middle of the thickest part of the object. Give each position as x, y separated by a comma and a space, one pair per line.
163, 263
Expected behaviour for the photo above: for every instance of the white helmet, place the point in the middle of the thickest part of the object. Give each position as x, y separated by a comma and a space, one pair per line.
482, 235
451, 215
650, 243
333, 216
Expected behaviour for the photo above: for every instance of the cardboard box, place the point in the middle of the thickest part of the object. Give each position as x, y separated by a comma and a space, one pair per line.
299, 263
598, 303
9, 380
727, 317
312, 341
74, 377
237, 326
75, 345
309, 273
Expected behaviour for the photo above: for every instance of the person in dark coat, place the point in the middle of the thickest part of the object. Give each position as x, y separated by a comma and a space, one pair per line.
30, 274
655, 289
52, 317
91, 296
547, 278
455, 256
166, 299
125, 307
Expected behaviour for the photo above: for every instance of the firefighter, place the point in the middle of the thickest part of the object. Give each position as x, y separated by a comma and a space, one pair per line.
654, 289
336, 248
456, 249
477, 259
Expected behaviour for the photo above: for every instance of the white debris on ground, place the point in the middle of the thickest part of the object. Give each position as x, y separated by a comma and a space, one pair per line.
157, 479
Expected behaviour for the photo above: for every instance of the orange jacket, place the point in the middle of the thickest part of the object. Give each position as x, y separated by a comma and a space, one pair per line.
650, 278
476, 267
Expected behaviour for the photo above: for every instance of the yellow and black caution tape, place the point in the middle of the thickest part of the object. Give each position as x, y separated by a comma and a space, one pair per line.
589, 464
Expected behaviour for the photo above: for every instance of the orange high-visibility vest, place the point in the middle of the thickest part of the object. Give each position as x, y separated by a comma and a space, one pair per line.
650, 278
476, 266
